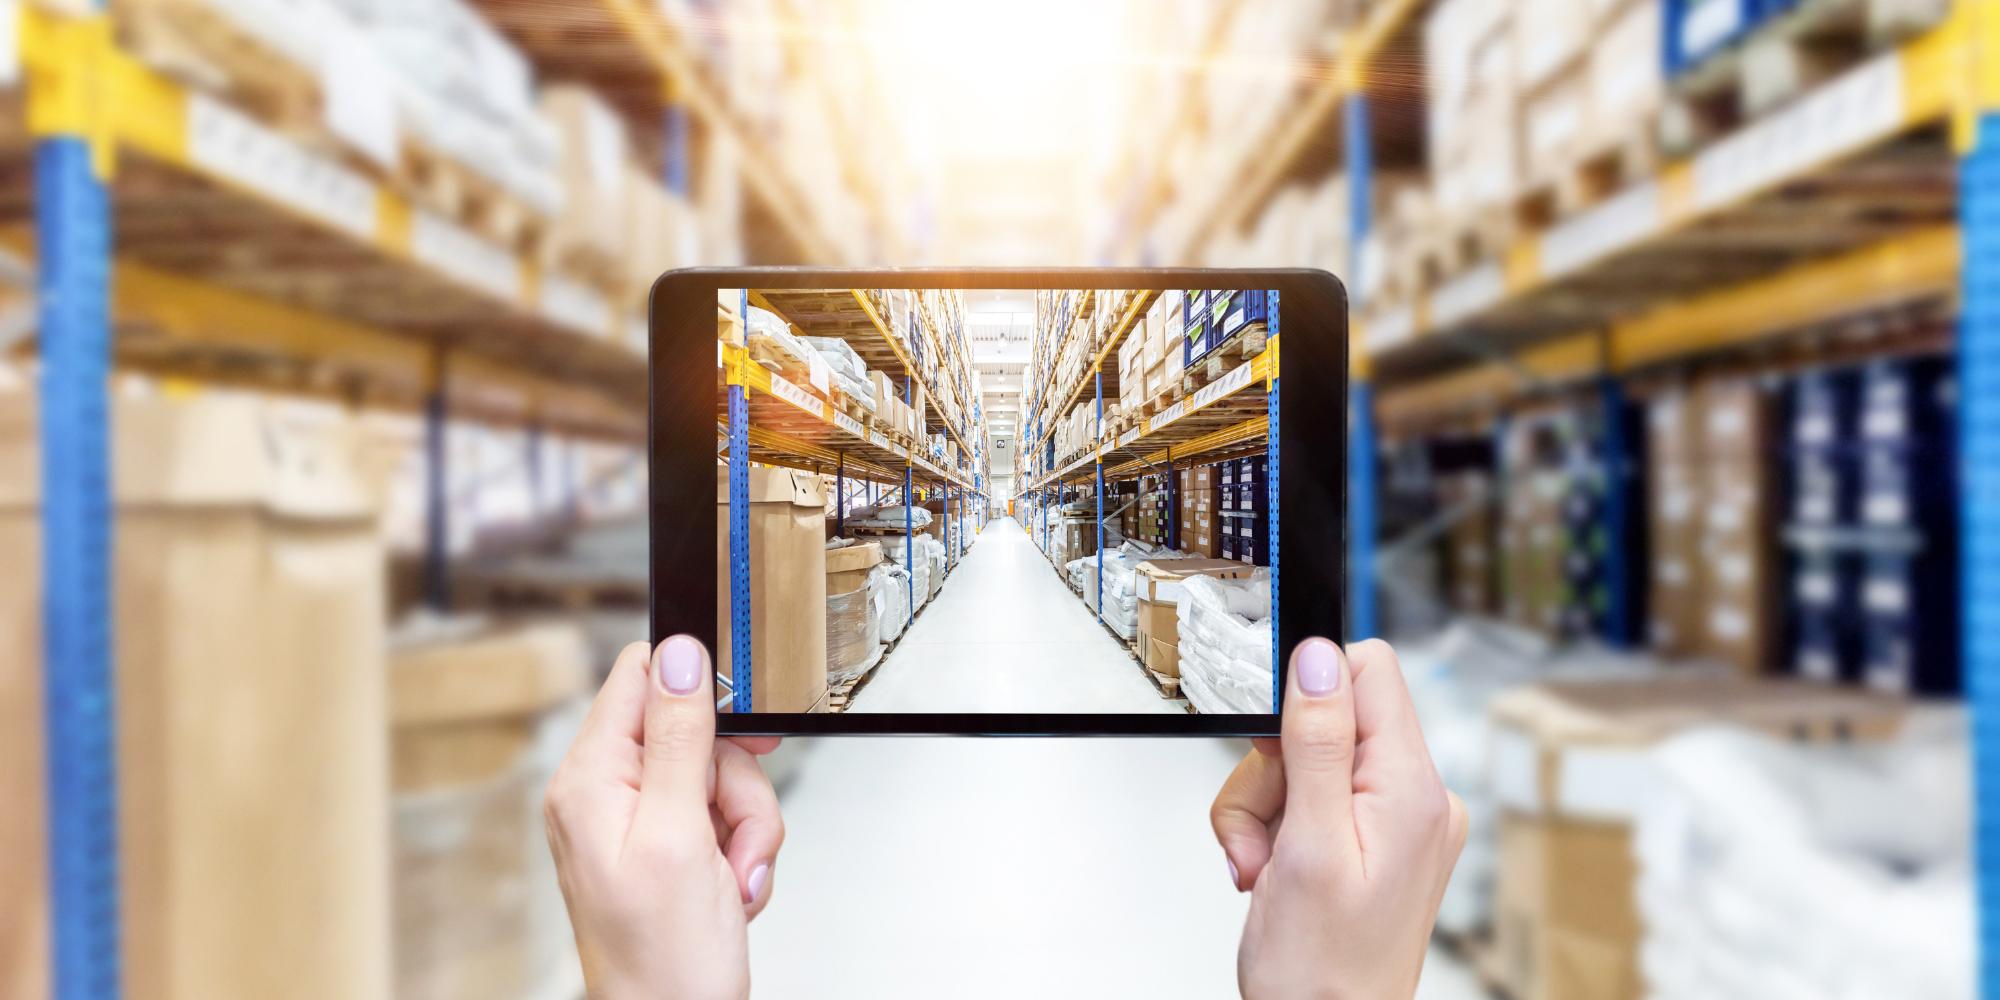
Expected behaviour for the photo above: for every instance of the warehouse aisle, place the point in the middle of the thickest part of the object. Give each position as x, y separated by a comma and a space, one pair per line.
1005, 635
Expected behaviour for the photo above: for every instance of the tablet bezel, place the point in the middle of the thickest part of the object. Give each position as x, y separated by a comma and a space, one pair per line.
1312, 476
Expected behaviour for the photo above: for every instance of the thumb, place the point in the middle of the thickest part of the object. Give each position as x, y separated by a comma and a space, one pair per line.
1318, 741
680, 737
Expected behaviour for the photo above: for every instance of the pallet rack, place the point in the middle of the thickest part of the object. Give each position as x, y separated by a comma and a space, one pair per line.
244, 257
1691, 261
1230, 416
766, 419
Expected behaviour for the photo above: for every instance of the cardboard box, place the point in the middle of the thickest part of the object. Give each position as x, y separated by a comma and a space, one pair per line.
1158, 581
594, 155
1160, 656
787, 587
886, 395
1568, 771
248, 581
847, 567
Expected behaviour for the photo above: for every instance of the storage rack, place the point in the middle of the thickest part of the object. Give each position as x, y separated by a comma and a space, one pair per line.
766, 419
244, 257
1694, 260
1229, 416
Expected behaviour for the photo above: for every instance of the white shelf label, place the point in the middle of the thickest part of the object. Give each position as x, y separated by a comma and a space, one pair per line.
1621, 222
458, 252
1461, 297
1847, 114
1223, 387
1170, 414
575, 305
230, 145
879, 441
1392, 327
848, 424
1128, 437
782, 388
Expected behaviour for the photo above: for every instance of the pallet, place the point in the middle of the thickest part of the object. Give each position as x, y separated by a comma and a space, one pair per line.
1778, 61
461, 194
1607, 165
197, 45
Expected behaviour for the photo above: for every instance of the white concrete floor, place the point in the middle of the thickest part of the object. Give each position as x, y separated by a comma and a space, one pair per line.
1006, 635
1006, 868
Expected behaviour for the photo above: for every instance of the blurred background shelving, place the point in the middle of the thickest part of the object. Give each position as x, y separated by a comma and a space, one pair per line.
1672, 349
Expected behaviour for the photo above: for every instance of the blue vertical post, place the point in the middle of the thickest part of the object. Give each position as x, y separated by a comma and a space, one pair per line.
909, 500
80, 730
739, 537
1979, 513
840, 496
1361, 396
1271, 469
1098, 434
1620, 620
437, 502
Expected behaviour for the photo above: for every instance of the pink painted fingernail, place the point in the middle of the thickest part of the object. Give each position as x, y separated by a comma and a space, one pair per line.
1318, 664
679, 664
757, 877
1235, 880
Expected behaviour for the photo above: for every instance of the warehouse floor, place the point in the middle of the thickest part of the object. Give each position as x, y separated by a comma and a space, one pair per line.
1006, 635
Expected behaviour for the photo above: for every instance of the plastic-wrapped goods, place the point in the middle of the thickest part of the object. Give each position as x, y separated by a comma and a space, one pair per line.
772, 340
1120, 592
840, 356
853, 633
935, 552
1226, 644
890, 585
889, 518
1780, 869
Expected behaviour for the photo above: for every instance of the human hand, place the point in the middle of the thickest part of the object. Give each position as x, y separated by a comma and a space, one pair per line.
663, 837
1342, 832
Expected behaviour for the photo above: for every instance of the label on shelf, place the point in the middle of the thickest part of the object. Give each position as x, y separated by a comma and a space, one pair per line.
1170, 414
1852, 111
1223, 387
231, 145
464, 255
848, 424
1467, 294
875, 438
575, 305
783, 388
1618, 223
1128, 437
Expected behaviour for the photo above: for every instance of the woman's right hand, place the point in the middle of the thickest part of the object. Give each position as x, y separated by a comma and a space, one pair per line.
1342, 832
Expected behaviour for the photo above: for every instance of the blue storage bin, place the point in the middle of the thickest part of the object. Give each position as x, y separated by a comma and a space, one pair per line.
1230, 312
1698, 29
1909, 402
1194, 325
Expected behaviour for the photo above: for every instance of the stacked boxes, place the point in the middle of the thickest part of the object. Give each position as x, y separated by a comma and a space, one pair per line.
1201, 518
1164, 357
1531, 537
1211, 318
1590, 588
1159, 592
1736, 530
1243, 496
1673, 505
1468, 558
1154, 512
1873, 573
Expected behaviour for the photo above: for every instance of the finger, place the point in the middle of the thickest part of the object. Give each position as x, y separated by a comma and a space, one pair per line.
1384, 715
1319, 741
1243, 814
758, 745
680, 740
749, 807
616, 721
1268, 746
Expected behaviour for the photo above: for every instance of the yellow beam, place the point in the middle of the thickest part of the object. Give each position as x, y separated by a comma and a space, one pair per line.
1913, 266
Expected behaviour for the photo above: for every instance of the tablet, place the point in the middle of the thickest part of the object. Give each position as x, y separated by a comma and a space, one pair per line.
998, 502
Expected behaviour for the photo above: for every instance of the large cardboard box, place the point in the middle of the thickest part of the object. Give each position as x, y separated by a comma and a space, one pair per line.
1158, 586
787, 587
847, 567
477, 910
1569, 771
249, 592
588, 232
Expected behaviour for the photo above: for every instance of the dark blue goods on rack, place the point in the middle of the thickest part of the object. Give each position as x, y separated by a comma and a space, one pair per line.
1194, 325
1230, 312
1822, 604
1825, 486
1698, 29
1907, 401
1821, 408
1909, 622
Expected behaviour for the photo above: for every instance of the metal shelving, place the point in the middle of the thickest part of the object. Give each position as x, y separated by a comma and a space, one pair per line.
767, 419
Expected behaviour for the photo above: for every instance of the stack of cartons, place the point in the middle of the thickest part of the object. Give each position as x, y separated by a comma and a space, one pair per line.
1569, 773
1163, 357
787, 581
1590, 79
585, 234
1131, 366
1468, 556
1674, 474
1158, 588
1737, 531
1470, 49
1154, 511
1201, 514
1531, 536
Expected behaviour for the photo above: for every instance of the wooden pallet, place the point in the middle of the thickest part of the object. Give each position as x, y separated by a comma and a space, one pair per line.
454, 190
1608, 165
1791, 54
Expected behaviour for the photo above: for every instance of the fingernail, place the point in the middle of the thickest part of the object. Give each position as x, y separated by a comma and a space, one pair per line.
1319, 668
757, 877
679, 664
1235, 880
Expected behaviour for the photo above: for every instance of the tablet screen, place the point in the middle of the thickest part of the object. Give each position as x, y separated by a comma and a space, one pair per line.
969, 501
